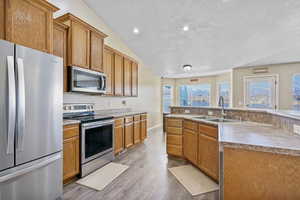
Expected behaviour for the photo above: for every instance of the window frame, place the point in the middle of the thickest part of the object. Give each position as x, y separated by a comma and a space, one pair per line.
218, 93
203, 83
162, 96
296, 74
276, 99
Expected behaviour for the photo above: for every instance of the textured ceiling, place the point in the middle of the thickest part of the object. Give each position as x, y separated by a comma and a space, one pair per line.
222, 33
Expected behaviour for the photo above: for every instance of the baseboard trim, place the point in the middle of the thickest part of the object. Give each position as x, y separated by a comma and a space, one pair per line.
155, 127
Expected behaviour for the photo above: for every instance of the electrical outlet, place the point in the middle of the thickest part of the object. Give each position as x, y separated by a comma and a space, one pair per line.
297, 129
187, 111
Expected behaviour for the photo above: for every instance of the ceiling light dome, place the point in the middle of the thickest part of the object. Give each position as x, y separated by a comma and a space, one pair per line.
187, 67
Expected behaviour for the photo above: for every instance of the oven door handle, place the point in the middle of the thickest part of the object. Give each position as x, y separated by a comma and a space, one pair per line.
97, 124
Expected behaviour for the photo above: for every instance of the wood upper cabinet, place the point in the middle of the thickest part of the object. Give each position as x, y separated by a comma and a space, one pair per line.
127, 77
85, 43
60, 32
119, 135
97, 45
28, 23
190, 145
71, 156
108, 69
134, 78
118, 74
208, 155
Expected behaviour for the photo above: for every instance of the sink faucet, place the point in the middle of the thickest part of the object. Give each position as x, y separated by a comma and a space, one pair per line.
221, 104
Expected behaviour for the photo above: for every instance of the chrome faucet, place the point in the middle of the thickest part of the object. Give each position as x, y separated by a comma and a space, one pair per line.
221, 104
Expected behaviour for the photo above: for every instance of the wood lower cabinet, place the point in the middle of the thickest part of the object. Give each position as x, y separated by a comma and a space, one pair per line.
190, 145
143, 126
60, 32
119, 135
71, 153
28, 23
128, 134
208, 159
137, 129
174, 137
108, 69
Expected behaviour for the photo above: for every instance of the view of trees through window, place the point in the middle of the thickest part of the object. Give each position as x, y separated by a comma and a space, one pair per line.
167, 98
260, 92
296, 92
224, 90
195, 95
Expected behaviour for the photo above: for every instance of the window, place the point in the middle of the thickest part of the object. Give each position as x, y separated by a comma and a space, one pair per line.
296, 92
167, 98
260, 92
195, 95
224, 91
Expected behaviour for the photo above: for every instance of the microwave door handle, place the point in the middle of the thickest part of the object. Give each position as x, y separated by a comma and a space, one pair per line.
104, 82
21, 105
11, 104
102, 78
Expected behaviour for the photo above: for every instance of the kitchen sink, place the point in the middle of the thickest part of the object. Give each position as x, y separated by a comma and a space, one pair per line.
202, 117
222, 120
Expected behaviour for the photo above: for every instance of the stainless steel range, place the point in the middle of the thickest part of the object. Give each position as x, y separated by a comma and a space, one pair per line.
97, 136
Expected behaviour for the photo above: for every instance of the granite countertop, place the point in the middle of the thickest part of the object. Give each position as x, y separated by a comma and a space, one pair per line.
254, 136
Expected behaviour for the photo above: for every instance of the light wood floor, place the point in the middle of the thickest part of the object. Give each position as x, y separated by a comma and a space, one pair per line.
146, 179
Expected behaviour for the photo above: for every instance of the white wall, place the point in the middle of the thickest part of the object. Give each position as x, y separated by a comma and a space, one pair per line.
149, 98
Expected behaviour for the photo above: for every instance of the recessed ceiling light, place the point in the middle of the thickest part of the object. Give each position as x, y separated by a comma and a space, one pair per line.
187, 68
185, 28
136, 31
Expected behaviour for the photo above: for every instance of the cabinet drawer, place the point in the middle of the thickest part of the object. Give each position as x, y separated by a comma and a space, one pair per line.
71, 131
143, 116
208, 130
175, 150
128, 119
137, 117
174, 130
119, 122
190, 125
174, 139
174, 122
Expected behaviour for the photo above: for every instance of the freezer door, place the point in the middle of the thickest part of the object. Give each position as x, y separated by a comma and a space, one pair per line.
7, 104
38, 180
39, 104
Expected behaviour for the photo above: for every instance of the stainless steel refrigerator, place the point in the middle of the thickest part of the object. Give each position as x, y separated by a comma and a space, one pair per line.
31, 98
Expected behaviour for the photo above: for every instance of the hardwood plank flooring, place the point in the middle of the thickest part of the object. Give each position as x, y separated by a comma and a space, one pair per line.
147, 178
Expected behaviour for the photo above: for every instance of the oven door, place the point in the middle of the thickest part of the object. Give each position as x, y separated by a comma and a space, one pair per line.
97, 138
84, 80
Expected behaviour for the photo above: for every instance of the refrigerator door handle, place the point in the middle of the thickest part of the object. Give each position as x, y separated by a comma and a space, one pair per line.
21, 105
11, 104
30, 168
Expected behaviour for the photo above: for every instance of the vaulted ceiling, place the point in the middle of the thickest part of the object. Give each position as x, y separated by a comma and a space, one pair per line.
222, 33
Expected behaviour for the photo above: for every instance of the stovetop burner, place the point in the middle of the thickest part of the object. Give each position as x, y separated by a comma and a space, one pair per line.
89, 118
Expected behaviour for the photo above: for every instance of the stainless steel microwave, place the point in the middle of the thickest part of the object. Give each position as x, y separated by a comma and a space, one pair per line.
85, 80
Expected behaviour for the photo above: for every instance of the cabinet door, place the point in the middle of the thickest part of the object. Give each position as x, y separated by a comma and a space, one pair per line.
127, 77
29, 23
209, 155
80, 45
134, 76
137, 132
143, 129
119, 139
60, 47
97, 45
71, 157
118, 75
108, 69
190, 145
128, 135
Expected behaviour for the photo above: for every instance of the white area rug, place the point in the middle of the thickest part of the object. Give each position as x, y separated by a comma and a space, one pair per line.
193, 180
99, 179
